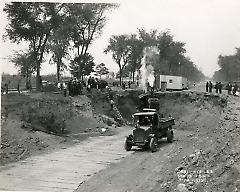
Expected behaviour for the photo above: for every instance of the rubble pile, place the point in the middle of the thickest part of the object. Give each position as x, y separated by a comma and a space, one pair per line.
215, 165
194, 171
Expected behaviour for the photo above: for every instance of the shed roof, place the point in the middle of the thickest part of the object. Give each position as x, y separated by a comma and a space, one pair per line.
145, 113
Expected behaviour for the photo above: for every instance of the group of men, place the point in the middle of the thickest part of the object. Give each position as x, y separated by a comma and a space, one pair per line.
232, 89
75, 87
124, 84
218, 87
96, 83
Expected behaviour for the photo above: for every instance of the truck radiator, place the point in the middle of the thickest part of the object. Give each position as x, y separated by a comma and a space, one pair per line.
139, 135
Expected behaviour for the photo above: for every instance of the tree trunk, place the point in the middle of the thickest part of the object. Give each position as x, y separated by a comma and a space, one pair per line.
58, 72
38, 78
39, 61
27, 78
120, 77
29, 81
26, 83
133, 74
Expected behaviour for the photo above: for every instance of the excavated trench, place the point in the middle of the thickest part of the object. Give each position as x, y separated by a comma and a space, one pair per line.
201, 157
183, 106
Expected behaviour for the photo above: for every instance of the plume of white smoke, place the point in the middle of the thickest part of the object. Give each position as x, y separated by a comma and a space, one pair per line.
147, 70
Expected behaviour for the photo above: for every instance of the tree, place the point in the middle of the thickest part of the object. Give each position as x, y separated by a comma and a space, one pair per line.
171, 58
34, 23
171, 52
229, 67
85, 22
58, 46
136, 54
189, 70
111, 75
101, 69
82, 66
148, 38
125, 72
26, 63
120, 49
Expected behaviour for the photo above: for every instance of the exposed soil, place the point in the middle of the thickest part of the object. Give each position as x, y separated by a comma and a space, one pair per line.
205, 154
38, 122
203, 157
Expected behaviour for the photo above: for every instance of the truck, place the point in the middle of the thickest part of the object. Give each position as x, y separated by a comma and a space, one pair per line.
170, 82
150, 127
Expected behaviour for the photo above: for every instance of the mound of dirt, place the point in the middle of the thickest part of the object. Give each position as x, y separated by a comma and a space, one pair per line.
190, 109
18, 143
177, 104
127, 102
100, 101
215, 165
39, 122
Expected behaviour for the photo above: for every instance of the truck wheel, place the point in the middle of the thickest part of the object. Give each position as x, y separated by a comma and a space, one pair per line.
145, 147
153, 144
169, 135
127, 145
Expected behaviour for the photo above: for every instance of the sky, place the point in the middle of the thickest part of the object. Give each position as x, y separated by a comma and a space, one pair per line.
207, 27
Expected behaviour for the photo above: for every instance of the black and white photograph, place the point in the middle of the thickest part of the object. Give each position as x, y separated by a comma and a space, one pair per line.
120, 96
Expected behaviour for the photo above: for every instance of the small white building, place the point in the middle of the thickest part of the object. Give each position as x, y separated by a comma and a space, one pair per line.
169, 82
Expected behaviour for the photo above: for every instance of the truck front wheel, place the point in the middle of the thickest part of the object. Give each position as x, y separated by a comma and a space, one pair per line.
127, 145
153, 144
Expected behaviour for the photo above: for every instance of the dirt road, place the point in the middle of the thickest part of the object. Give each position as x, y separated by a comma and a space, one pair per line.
63, 170
141, 171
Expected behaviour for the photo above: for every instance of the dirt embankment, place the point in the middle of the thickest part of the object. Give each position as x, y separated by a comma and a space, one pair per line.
203, 157
40, 122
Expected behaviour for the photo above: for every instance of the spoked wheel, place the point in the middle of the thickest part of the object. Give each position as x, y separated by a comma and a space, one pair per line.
153, 144
127, 145
170, 135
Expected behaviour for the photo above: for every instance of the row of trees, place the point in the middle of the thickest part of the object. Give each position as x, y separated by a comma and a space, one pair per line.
62, 30
127, 52
229, 67
56, 29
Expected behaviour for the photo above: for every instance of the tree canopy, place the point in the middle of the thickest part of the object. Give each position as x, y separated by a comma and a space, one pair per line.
85, 23
34, 23
229, 67
101, 69
127, 52
120, 49
26, 64
55, 27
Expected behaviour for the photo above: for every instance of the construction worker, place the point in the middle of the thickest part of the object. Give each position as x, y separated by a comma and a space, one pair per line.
64, 89
229, 88
111, 103
6, 88
210, 85
18, 87
235, 88
220, 87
